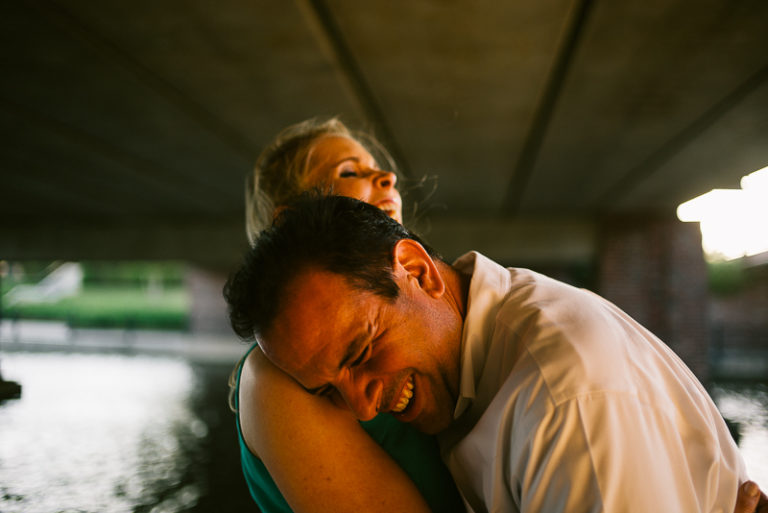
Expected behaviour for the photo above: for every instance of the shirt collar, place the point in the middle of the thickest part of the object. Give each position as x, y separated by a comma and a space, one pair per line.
488, 286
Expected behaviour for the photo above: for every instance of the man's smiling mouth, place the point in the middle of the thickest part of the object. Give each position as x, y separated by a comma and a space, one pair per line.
405, 396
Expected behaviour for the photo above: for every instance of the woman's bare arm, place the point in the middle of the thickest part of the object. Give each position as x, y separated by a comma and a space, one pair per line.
318, 454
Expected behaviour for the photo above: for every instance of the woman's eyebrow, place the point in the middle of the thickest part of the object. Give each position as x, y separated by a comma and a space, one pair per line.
356, 160
345, 159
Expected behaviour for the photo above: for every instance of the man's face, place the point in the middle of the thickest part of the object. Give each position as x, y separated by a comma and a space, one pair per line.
378, 355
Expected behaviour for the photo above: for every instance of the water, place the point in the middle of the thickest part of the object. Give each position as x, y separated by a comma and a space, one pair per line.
114, 433
102, 433
746, 404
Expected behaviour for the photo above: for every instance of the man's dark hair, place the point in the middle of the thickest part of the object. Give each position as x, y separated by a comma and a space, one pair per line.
331, 233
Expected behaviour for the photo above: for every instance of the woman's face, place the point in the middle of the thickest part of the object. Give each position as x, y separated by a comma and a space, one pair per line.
344, 166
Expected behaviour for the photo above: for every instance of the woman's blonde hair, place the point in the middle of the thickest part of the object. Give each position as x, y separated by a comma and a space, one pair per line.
282, 165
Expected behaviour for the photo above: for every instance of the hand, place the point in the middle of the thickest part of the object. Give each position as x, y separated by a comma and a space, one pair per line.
750, 499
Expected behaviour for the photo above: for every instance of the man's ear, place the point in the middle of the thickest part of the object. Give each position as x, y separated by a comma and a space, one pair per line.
412, 259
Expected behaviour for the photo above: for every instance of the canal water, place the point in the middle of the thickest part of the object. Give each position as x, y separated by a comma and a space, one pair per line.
103, 433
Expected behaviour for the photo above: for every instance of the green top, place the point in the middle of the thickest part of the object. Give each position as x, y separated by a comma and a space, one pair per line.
416, 452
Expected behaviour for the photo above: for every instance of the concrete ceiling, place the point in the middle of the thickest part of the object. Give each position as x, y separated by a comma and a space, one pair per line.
128, 127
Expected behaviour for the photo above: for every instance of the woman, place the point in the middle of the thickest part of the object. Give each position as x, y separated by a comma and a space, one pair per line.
333, 463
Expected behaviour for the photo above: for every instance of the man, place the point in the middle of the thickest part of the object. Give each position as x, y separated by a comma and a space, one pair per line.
545, 397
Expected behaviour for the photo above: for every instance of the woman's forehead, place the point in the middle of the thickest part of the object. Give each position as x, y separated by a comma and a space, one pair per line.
330, 149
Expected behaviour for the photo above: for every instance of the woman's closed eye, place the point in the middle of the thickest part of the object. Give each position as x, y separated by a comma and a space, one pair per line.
348, 173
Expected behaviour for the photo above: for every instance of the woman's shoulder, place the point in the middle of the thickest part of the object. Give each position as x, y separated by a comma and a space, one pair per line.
257, 368
264, 385
268, 399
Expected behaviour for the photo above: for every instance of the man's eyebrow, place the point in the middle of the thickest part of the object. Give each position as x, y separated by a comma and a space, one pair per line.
353, 349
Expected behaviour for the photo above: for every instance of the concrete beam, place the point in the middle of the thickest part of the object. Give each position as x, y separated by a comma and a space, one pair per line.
221, 244
515, 241
212, 244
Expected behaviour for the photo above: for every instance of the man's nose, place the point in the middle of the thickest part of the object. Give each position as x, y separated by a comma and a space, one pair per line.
361, 393
384, 179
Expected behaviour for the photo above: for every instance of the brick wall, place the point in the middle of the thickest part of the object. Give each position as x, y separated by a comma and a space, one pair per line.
740, 317
652, 267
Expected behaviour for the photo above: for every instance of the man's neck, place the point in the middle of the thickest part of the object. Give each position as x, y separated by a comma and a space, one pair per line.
456, 287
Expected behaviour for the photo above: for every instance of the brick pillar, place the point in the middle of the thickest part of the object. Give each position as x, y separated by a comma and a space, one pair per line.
207, 308
653, 268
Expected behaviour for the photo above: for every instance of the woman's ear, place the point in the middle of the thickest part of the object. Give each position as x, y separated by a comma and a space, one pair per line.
413, 261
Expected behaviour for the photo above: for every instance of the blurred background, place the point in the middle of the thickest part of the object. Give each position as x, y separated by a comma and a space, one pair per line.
618, 146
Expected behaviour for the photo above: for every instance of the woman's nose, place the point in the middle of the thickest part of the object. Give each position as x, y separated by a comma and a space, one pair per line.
384, 179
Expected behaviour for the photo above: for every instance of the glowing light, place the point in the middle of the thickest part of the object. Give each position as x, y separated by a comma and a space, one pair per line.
734, 222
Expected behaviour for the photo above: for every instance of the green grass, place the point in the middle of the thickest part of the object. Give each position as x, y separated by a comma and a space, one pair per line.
124, 307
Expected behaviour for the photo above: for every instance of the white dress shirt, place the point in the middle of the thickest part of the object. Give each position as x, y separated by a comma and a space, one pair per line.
568, 404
